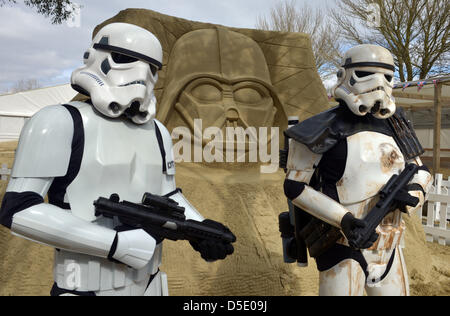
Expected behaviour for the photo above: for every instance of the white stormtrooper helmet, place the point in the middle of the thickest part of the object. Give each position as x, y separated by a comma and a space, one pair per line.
365, 81
120, 72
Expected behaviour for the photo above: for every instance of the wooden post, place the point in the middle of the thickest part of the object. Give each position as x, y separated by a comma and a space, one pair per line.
437, 128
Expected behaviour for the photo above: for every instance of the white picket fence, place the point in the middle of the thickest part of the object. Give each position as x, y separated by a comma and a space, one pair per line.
4, 172
436, 224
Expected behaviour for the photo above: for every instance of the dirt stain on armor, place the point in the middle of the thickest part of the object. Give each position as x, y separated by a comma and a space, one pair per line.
359, 288
368, 148
390, 239
389, 156
330, 274
350, 277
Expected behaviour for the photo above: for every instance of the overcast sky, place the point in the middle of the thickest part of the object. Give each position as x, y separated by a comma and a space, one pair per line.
33, 48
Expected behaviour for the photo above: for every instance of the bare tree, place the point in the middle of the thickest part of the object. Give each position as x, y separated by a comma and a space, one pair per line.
415, 31
57, 10
24, 85
287, 16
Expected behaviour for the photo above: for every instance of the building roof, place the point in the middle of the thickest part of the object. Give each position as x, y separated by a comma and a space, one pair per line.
417, 98
26, 103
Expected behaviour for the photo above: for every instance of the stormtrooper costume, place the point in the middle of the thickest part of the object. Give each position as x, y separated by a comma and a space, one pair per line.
337, 163
79, 151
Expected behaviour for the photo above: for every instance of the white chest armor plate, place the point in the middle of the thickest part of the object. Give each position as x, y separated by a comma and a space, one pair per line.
119, 157
372, 158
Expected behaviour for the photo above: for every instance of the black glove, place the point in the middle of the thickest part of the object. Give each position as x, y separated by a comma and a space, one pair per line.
349, 225
212, 250
413, 198
285, 226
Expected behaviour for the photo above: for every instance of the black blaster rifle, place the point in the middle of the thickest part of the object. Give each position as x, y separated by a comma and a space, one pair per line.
392, 196
320, 236
160, 216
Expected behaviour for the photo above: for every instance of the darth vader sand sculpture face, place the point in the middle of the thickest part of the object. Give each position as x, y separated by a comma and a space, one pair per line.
222, 78
222, 103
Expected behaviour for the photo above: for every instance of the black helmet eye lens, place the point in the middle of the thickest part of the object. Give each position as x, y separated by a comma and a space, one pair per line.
122, 59
362, 74
388, 78
153, 69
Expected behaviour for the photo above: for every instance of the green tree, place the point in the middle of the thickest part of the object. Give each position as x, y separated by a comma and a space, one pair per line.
57, 10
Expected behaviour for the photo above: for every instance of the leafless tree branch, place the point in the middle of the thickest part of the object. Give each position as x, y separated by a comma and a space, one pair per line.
415, 31
288, 16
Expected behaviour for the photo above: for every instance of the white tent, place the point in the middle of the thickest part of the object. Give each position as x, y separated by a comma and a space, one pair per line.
16, 108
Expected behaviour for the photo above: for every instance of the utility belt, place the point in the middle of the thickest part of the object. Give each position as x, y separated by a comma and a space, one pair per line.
57, 291
319, 236
302, 232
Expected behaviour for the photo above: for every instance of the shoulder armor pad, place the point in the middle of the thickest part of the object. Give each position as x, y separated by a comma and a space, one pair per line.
166, 147
45, 144
404, 135
321, 132
317, 132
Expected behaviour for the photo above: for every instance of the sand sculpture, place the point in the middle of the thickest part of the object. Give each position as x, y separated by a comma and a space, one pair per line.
222, 77
283, 63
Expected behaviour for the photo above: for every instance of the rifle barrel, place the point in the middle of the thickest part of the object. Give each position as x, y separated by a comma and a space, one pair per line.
169, 223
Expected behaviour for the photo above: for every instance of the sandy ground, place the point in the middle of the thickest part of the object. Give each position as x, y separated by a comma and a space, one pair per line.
249, 203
